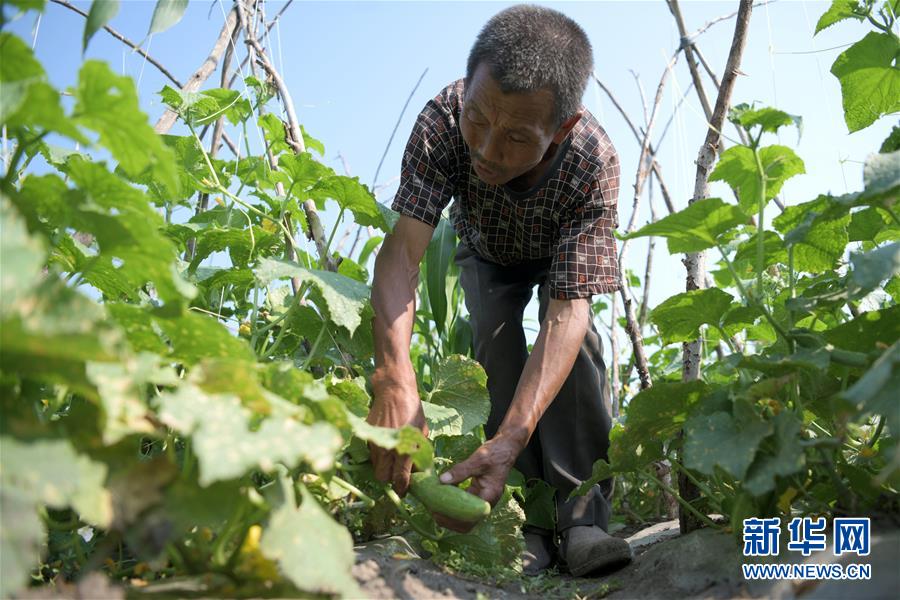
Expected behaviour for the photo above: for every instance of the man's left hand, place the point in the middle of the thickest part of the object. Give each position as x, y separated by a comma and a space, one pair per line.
488, 467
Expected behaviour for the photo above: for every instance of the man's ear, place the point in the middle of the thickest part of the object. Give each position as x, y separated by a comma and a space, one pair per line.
566, 127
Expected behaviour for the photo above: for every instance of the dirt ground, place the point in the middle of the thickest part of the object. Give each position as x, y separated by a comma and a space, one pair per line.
667, 565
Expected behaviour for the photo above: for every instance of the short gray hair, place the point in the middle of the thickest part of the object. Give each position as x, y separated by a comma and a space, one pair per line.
528, 48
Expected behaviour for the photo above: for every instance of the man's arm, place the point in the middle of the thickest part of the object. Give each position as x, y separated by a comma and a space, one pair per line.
555, 350
396, 399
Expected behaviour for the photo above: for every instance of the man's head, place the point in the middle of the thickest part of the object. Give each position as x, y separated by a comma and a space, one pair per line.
525, 77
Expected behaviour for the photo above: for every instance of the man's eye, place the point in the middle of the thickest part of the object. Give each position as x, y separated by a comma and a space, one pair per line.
518, 140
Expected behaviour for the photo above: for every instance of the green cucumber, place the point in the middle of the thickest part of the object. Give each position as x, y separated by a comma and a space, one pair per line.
447, 500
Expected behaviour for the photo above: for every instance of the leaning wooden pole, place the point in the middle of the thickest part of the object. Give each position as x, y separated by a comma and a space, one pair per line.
294, 139
695, 262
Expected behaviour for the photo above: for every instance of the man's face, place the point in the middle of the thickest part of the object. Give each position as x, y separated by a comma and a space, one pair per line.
507, 134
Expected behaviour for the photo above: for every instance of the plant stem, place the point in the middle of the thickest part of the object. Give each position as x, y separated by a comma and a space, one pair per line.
404, 514
727, 339
892, 213
687, 505
750, 300
337, 223
13, 171
315, 347
877, 433
760, 229
353, 490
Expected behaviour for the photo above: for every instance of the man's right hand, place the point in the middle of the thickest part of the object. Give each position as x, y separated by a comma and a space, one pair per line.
395, 404
396, 399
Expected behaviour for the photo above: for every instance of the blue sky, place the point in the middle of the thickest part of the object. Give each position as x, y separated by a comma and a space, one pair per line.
351, 65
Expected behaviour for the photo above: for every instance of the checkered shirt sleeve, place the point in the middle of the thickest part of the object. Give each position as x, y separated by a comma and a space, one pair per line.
586, 261
426, 175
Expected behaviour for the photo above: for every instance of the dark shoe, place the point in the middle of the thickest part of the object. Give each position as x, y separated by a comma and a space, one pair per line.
590, 550
538, 553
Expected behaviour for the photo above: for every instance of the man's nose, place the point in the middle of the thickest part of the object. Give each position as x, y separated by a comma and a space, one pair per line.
492, 150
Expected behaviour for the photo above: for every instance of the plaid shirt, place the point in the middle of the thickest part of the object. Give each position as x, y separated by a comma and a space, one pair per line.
569, 214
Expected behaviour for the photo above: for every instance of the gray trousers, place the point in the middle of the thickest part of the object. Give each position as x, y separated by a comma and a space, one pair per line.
574, 431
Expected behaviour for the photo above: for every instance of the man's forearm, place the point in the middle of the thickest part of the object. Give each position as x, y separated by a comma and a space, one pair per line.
394, 304
547, 368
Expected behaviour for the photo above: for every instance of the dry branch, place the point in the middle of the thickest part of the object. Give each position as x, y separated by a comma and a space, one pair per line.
644, 162
695, 263
657, 171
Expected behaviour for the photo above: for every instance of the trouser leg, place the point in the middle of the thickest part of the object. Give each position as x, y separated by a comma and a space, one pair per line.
496, 297
574, 433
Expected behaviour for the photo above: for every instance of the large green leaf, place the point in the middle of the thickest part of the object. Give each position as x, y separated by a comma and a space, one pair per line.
47, 472
867, 331
202, 108
101, 12
194, 336
28, 4
227, 448
788, 457
108, 104
679, 317
344, 298
881, 176
870, 79
442, 420
124, 224
137, 323
313, 551
49, 334
437, 261
406, 440
740, 317
773, 250
818, 232
350, 195
166, 14
839, 11
737, 167
876, 391
873, 224
719, 440
654, 415
243, 245
460, 383
696, 227
120, 387
872, 268
766, 118
495, 542
274, 133
21, 258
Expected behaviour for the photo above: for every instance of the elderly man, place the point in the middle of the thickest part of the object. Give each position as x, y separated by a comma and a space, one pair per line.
536, 182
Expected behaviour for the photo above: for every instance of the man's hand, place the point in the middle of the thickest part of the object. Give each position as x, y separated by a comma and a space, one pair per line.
396, 400
488, 467
395, 405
